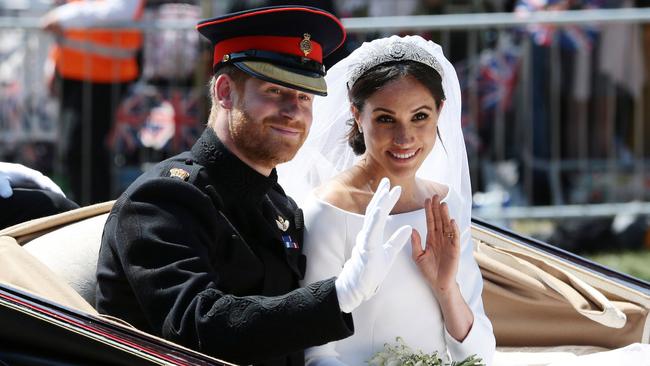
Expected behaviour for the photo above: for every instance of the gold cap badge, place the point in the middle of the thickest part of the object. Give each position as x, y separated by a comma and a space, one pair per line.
305, 44
179, 173
282, 223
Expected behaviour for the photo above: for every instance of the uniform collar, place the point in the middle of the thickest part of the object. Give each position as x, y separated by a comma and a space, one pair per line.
232, 173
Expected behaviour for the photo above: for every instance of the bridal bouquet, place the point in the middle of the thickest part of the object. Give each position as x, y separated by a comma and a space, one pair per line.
401, 355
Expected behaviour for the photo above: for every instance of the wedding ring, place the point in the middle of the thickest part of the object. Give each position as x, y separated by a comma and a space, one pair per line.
450, 235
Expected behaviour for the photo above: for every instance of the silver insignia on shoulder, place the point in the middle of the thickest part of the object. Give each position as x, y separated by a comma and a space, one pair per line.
179, 173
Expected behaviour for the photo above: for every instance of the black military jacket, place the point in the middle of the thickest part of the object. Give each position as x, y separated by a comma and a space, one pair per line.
206, 252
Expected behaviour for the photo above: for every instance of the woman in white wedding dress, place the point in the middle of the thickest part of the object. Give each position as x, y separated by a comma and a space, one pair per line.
393, 111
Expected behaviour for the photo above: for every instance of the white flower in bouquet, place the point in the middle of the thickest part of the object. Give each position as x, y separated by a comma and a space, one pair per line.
402, 355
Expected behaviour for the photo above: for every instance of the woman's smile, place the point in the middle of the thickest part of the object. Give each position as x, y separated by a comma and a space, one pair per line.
403, 156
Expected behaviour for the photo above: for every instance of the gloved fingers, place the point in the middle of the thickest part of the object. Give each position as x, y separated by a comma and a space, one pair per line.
5, 187
397, 241
387, 201
326, 361
18, 175
391, 200
371, 230
46, 183
382, 190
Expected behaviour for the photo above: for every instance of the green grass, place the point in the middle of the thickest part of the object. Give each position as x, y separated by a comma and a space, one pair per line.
635, 263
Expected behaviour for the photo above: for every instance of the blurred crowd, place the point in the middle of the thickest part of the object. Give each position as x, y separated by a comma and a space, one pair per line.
533, 96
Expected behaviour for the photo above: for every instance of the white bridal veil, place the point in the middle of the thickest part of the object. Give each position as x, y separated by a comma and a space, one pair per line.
326, 151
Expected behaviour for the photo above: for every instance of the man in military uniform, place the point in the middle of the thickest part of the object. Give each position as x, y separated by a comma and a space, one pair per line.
205, 248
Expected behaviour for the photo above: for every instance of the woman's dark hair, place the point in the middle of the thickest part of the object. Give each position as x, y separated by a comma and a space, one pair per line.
380, 75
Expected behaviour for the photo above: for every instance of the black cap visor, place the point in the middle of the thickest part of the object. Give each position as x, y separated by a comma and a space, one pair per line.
313, 83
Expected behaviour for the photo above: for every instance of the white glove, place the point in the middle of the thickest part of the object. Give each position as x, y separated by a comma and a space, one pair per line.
16, 175
371, 257
325, 361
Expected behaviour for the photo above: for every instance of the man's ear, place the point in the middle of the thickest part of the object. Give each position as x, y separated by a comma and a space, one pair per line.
224, 91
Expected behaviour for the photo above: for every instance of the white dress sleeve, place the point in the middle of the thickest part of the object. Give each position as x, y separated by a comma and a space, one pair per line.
82, 14
324, 247
480, 339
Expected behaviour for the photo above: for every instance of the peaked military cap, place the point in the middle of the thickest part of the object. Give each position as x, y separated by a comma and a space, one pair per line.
280, 44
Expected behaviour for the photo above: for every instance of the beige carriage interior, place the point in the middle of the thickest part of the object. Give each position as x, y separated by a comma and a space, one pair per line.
542, 307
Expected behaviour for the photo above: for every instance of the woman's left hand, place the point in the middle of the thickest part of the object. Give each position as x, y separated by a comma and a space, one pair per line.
438, 262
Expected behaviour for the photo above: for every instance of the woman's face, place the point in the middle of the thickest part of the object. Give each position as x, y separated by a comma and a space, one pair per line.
399, 124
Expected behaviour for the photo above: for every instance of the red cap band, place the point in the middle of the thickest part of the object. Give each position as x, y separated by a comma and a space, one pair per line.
287, 45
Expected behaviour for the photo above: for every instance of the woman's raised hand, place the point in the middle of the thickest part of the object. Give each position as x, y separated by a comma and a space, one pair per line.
438, 260
372, 255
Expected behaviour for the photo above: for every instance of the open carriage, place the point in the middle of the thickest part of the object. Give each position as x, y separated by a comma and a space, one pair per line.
545, 304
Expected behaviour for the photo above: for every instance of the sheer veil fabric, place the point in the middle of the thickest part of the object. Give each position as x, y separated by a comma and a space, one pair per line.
327, 153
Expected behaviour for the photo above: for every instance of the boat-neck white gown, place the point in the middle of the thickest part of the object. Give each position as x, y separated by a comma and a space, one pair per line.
405, 305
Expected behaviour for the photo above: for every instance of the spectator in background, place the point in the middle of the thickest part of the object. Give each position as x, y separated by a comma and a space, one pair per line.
91, 69
162, 113
574, 45
593, 90
26, 194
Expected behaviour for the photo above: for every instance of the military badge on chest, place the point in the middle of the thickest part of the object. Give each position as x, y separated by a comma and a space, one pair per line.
289, 243
283, 224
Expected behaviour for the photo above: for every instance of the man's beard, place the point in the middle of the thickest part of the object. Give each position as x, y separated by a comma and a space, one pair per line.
254, 140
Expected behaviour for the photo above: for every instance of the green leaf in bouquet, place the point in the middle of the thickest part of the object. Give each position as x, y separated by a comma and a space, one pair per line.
401, 354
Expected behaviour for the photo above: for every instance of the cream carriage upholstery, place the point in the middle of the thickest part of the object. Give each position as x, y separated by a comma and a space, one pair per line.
542, 309
71, 252
56, 257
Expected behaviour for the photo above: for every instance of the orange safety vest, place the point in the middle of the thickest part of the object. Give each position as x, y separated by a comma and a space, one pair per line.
99, 55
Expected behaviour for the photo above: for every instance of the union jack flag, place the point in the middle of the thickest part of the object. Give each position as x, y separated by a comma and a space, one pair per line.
488, 86
164, 119
570, 37
498, 76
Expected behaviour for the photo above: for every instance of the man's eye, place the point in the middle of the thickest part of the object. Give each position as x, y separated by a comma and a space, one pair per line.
274, 90
305, 97
420, 116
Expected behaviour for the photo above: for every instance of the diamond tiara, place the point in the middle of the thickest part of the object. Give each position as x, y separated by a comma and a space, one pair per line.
397, 51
